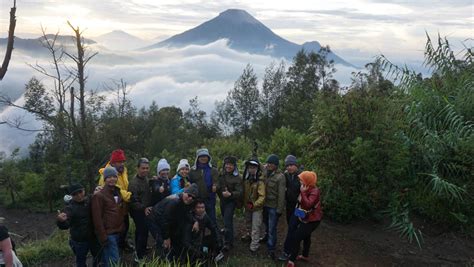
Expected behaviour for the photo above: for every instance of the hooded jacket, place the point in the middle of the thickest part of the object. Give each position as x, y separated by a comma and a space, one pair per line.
122, 182
310, 200
196, 176
233, 183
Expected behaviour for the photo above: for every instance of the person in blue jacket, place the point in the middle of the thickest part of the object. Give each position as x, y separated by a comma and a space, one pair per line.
180, 180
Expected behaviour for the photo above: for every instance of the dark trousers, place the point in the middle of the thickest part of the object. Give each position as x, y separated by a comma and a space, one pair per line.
297, 232
210, 204
290, 210
81, 249
227, 210
123, 235
141, 232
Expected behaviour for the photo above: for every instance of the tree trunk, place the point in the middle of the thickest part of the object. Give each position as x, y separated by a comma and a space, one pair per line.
11, 38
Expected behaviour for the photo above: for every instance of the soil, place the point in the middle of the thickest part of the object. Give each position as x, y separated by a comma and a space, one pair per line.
333, 244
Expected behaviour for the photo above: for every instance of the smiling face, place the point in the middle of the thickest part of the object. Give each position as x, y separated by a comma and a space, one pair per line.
292, 168
79, 196
229, 167
200, 208
143, 170
252, 169
183, 172
111, 181
188, 198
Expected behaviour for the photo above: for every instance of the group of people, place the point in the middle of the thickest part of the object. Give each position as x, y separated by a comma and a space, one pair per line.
180, 211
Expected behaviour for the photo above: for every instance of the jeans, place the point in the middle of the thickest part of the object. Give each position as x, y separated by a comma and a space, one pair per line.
210, 204
81, 249
141, 232
271, 222
110, 252
227, 210
297, 232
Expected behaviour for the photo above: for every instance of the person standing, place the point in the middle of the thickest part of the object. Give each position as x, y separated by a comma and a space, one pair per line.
107, 216
292, 185
305, 220
117, 160
140, 205
254, 198
77, 217
275, 186
204, 175
229, 189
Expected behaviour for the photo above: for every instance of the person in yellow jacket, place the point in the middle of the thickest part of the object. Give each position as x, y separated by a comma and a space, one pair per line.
254, 198
117, 160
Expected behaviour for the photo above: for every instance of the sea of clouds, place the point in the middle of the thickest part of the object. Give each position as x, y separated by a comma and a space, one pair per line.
167, 76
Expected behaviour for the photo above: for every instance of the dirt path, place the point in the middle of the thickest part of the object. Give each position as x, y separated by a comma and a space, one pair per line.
333, 244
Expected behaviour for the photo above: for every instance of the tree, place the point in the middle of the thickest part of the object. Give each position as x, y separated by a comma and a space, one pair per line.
241, 107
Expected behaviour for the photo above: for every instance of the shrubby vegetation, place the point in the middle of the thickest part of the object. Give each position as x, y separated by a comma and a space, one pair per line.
380, 149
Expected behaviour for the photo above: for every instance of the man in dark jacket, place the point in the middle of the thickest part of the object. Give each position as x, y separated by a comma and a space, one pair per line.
274, 201
167, 219
204, 175
197, 246
229, 189
140, 205
292, 185
107, 215
76, 217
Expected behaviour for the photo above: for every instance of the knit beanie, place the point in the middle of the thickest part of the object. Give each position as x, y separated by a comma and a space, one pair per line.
308, 178
117, 156
183, 163
109, 172
162, 165
75, 188
273, 159
192, 190
290, 160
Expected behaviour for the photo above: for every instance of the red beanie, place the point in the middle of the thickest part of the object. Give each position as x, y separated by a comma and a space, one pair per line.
308, 178
117, 155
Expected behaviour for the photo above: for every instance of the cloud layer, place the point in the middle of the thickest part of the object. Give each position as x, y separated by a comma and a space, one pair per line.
166, 76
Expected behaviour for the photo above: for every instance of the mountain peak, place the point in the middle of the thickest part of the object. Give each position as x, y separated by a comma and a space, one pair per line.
237, 16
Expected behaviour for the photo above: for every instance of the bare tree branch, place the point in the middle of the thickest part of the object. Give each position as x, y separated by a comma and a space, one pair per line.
11, 38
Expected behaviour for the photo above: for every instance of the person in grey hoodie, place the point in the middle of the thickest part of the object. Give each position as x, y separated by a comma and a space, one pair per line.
204, 175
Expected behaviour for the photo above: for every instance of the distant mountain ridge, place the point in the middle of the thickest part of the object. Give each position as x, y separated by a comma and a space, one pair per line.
244, 33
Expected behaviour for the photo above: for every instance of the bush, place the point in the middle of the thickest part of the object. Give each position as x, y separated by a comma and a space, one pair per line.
54, 248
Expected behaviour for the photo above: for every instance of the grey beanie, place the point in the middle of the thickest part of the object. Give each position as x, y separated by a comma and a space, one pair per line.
162, 165
192, 190
290, 160
109, 171
202, 152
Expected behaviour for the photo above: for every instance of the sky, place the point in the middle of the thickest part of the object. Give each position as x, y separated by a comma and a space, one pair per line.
355, 29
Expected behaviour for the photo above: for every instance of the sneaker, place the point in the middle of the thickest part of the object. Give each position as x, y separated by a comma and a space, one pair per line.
290, 264
302, 258
284, 256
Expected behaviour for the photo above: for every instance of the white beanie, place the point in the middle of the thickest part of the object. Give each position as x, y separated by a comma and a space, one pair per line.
162, 165
182, 163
